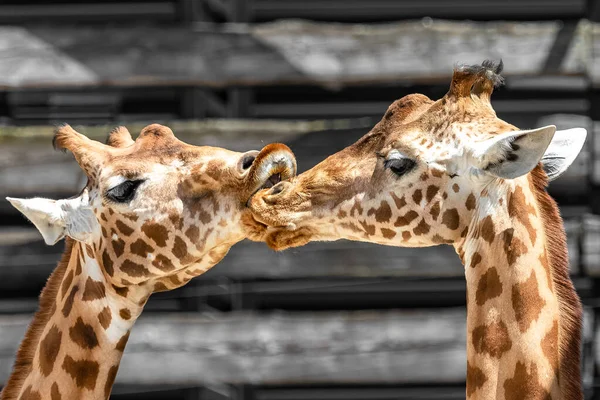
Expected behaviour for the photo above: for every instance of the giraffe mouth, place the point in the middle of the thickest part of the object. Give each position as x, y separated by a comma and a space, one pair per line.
272, 181
275, 163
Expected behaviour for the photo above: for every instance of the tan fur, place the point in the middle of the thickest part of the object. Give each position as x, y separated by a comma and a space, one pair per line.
181, 218
420, 178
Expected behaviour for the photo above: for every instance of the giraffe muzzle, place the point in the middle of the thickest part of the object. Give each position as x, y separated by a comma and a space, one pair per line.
275, 163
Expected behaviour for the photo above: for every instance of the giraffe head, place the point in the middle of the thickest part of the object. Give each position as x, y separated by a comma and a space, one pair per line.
415, 179
155, 206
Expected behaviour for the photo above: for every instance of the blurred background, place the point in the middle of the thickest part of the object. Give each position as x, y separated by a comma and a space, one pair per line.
330, 320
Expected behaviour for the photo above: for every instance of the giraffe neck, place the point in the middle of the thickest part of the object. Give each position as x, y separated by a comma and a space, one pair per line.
523, 315
73, 347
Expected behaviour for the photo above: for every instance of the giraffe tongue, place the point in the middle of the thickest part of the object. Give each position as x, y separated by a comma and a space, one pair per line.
272, 181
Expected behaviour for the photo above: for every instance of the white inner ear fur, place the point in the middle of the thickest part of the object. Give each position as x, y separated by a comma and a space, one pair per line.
57, 218
563, 150
513, 154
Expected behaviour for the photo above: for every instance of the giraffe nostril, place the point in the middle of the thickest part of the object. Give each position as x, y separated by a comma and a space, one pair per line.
247, 161
277, 189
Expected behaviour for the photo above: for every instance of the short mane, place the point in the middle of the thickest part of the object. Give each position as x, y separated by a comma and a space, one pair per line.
22, 366
571, 312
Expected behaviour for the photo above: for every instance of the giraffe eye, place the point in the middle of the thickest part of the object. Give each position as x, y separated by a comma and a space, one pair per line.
124, 192
400, 166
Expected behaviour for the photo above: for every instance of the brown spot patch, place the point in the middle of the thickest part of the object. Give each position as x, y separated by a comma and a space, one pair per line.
121, 291
125, 314
455, 187
441, 240
83, 334
356, 207
160, 287
550, 347
134, 269
83, 372
489, 286
342, 214
437, 172
93, 290
89, 251
451, 219
527, 302
197, 210
124, 228
193, 233
54, 392
543, 259
486, 229
513, 246
417, 196
110, 380
176, 220
521, 210
68, 306
406, 235
368, 229
491, 339
66, 284
406, 219
475, 379
432, 190
435, 210
30, 394
471, 201
388, 233
107, 263
140, 248
525, 385
130, 216
118, 247
49, 348
105, 317
179, 248
475, 260
78, 268
400, 202
383, 213
163, 263
422, 228
157, 232
122, 342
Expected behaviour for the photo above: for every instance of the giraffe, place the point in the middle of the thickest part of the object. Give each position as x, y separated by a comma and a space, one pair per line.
451, 172
155, 213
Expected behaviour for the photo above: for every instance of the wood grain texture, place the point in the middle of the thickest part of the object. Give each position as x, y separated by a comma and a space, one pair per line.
289, 52
418, 346
342, 347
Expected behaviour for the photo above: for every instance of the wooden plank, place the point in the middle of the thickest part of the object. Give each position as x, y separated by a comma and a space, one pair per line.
593, 37
415, 49
389, 9
282, 52
280, 348
29, 166
361, 347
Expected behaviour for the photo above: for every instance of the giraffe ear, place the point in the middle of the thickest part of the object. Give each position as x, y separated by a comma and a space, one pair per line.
56, 219
45, 214
563, 150
513, 154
